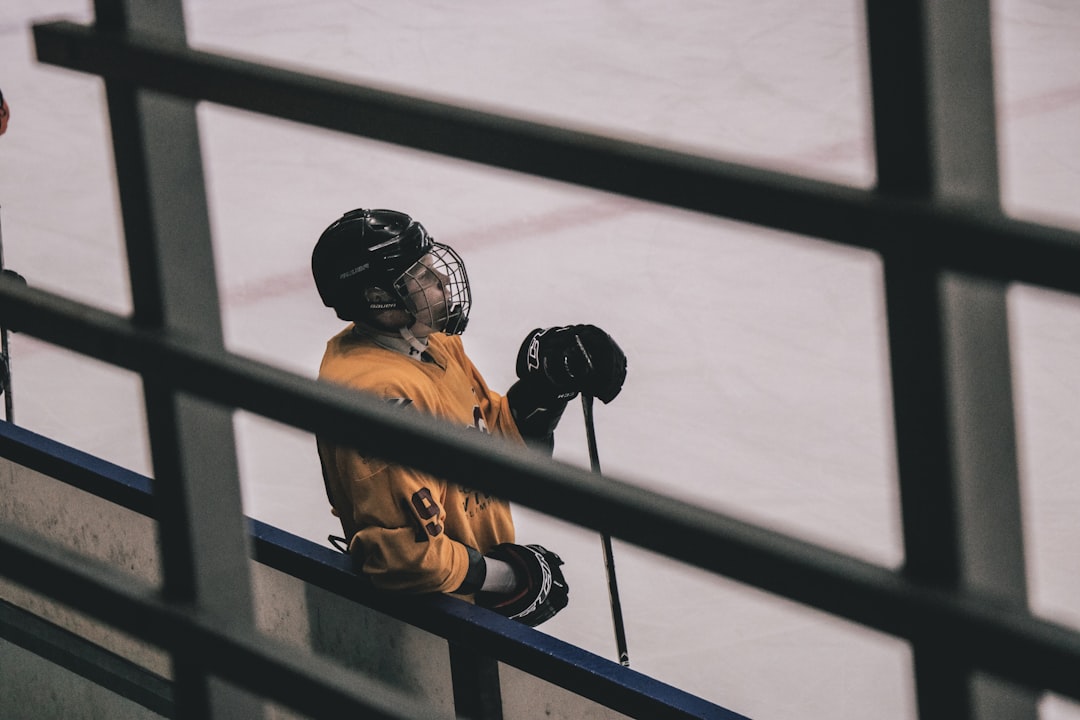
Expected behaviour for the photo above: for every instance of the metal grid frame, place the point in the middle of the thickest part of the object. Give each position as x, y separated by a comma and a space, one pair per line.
934, 217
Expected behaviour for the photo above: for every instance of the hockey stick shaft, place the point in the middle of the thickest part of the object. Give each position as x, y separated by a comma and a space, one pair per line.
609, 557
5, 352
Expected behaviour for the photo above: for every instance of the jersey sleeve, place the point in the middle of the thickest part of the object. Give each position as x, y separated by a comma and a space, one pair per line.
398, 517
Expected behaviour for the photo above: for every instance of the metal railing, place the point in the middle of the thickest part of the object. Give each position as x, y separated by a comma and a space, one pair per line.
461, 624
947, 251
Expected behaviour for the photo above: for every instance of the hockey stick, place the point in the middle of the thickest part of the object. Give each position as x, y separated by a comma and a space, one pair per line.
609, 557
5, 353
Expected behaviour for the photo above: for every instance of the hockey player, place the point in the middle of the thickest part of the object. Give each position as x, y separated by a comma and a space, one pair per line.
407, 299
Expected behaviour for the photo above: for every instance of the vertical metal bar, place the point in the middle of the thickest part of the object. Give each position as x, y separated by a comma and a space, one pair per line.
927, 492
932, 71
960, 80
904, 167
477, 691
899, 95
170, 257
5, 352
986, 468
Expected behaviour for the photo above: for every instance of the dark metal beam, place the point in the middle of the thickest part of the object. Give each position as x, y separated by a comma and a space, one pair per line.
305, 682
536, 653
78, 469
935, 134
82, 657
196, 485
1007, 642
934, 214
950, 237
900, 101
475, 677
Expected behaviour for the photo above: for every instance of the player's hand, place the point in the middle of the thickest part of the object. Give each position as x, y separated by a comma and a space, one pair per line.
573, 359
542, 589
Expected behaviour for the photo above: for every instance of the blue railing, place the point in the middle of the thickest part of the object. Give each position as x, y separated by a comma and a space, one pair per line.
481, 631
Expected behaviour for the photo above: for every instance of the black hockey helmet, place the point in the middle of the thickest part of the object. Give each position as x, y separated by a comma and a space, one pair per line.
387, 250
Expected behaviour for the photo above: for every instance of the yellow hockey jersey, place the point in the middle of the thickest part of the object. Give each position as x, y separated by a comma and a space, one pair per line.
407, 529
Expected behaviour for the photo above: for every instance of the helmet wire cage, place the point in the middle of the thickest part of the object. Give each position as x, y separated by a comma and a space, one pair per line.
435, 290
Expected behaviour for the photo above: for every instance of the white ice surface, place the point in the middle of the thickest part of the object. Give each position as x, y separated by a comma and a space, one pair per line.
758, 378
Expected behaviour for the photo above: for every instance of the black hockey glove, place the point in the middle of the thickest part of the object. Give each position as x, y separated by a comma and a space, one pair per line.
536, 411
543, 592
573, 359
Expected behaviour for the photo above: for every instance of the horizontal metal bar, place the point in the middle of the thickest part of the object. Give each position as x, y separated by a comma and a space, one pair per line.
305, 682
82, 657
538, 654
1009, 643
599, 679
971, 240
76, 468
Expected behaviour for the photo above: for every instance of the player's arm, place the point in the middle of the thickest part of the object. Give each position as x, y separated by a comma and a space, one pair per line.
400, 542
409, 552
396, 514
